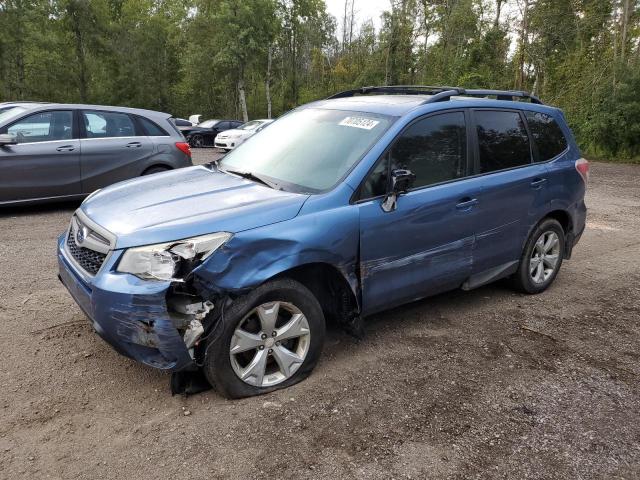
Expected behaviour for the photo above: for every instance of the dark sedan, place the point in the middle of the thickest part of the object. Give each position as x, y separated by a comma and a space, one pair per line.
205, 133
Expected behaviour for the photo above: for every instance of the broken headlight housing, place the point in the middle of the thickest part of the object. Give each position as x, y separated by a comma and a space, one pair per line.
170, 261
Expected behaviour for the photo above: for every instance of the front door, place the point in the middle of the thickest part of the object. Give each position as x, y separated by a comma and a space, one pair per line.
425, 245
112, 149
45, 162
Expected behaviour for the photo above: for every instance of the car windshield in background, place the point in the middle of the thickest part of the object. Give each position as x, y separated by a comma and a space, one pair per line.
308, 150
250, 125
10, 112
208, 123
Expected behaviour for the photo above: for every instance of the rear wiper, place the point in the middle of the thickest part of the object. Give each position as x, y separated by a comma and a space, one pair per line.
254, 177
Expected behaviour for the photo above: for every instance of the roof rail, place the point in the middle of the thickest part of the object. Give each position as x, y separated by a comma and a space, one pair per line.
439, 93
393, 90
508, 95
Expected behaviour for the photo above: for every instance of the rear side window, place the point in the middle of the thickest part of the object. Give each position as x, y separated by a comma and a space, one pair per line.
108, 124
502, 140
547, 135
151, 128
43, 127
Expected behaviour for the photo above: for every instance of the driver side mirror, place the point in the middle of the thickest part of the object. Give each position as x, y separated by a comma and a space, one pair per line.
402, 180
6, 139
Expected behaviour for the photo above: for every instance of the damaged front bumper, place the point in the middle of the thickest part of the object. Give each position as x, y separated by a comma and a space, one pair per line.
130, 314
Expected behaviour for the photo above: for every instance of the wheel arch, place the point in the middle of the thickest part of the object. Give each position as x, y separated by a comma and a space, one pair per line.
329, 285
156, 164
564, 218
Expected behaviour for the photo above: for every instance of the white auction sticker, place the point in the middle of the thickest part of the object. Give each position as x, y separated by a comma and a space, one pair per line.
359, 122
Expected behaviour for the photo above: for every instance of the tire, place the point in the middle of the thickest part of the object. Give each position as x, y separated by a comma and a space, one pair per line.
157, 169
540, 262
245, 329
196, 141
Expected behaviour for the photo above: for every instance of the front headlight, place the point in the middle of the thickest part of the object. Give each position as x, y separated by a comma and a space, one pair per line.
171, 260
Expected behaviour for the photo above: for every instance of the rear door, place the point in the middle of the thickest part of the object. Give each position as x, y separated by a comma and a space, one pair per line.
114, 148
46, 160
512, 188
425, 245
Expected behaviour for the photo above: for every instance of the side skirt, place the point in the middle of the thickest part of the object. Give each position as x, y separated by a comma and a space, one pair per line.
490, 275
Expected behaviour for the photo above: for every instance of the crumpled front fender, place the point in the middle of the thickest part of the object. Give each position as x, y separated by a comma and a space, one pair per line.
254, 256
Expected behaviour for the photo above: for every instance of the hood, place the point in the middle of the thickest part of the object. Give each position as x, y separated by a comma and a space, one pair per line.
187, 202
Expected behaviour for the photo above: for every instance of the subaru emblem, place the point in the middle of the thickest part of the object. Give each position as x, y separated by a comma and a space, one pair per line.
81, 234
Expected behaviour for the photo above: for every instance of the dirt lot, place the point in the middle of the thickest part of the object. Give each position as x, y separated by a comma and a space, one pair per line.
481, 384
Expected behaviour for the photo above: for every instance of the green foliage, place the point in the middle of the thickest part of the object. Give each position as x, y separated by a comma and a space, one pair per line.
205, 56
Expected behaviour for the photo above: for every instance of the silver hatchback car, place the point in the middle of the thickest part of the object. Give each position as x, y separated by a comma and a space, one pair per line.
52, 151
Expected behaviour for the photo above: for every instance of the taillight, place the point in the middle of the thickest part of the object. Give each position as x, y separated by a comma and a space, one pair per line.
184, 148
582, 166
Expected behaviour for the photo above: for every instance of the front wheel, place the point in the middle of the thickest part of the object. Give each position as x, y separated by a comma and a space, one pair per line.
272, 338
541, 258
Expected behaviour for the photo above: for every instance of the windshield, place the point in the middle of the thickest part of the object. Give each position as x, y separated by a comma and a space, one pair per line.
310, 149
250, 125
208, 123
8, 112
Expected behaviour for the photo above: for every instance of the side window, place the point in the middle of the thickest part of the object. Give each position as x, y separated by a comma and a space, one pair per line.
108, 124
43, 127
434, 149
151, 128
377, 181
547, 135
223, 126
502, 140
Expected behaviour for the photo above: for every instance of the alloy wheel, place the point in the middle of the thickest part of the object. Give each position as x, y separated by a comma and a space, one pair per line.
544, 257
270, 344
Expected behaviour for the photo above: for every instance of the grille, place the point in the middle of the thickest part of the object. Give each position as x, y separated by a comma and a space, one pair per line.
88, 259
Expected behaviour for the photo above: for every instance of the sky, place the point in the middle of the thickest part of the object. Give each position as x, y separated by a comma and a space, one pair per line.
363, 9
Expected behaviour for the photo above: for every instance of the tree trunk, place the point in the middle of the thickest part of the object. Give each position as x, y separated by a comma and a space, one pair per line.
351, 25
626, 15
524, 31
267, 82
241, 96
80, 51
499, 3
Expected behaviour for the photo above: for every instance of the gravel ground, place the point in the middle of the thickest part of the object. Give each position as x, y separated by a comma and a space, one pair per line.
481, 384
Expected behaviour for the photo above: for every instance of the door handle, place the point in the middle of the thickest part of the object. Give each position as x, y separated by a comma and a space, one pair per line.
134, 145
538, 182
66, 148
466, 203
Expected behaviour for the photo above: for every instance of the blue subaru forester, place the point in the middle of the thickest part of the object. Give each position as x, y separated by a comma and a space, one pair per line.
341, 208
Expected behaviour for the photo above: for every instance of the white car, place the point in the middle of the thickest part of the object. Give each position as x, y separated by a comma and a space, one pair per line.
230, 139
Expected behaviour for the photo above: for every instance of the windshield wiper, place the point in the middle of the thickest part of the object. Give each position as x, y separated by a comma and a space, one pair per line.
254, 177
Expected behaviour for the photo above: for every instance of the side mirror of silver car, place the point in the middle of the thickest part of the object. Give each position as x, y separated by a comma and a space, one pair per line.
6, 139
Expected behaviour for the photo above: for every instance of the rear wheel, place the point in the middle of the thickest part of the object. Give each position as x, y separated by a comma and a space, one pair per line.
542, 257
272, 338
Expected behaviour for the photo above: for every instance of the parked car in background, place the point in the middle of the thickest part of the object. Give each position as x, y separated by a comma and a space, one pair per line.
204, 134
183, 125
52, 151
340, 209
230, 139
